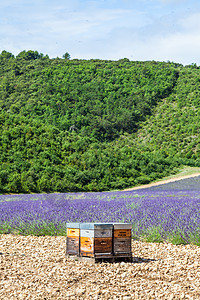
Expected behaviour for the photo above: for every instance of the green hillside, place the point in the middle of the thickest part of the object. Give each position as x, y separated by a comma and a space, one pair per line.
94, 125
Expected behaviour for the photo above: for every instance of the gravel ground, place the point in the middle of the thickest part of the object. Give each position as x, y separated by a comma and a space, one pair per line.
36, 268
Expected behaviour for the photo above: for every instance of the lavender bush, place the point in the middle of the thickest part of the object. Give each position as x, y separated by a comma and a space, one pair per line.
157, 214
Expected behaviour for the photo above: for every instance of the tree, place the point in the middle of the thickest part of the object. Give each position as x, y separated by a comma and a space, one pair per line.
30, 55
6, 55
66, 56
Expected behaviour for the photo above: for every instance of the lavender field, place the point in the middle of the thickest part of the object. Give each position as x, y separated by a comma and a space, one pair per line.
169, 212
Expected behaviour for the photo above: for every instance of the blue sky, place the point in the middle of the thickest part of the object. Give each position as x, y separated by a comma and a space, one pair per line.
161, 30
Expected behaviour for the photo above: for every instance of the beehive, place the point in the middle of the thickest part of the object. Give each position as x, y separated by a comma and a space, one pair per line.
73, 239
96, 240
122, 240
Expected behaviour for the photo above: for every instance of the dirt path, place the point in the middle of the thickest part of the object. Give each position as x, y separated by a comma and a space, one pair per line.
162, 182
36, 268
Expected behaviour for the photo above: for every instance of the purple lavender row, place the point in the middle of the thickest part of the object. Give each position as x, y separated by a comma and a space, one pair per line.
155, 215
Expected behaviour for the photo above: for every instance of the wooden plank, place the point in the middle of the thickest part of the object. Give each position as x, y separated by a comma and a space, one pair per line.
72, 245
122, 226
122, 233
95, 246
103, 226
96, 233
103, 233
122, 255
73, 225
86, 246
103, 255
73, 232
92, 226
102, 258
122, 245
95, 259
87, 233
103, 245
85, 253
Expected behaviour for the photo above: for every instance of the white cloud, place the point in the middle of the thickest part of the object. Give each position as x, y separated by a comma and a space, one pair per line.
176, 42
113, 29
181, 46
64, 26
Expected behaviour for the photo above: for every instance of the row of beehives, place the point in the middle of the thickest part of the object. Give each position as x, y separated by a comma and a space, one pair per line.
100, 240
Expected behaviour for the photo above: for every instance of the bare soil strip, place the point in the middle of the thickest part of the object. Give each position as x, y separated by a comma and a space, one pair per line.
162, 182
36, 268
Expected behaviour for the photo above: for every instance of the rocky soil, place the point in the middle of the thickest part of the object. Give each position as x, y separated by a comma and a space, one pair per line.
36, 268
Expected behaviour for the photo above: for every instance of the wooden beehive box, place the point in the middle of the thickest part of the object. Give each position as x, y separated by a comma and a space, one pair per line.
122, 239
73, 239
96, 240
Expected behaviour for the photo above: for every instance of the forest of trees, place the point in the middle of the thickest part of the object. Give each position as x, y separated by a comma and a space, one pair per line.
94, 125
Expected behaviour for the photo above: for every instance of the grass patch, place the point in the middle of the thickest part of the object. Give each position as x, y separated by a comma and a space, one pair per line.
150, 235
39, 228
185, 171
153, 235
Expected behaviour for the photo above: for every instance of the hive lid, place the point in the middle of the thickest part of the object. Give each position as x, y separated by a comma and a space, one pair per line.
96, 226
73, 225
122, 225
